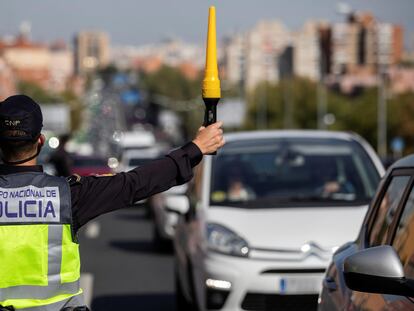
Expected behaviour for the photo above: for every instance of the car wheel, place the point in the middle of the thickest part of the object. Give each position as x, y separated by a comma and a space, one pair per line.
160, 244
181, 301
148, 211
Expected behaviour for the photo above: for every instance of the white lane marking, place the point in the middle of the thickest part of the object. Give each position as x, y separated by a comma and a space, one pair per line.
86, 282
92, 230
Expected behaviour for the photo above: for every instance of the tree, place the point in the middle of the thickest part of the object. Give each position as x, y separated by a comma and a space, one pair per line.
183, 95
401, 119
356, 113
170, 82
37, 93
276, 104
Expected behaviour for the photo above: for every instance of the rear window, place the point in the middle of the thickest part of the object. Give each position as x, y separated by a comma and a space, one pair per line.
138, 161
89, 162
276, 172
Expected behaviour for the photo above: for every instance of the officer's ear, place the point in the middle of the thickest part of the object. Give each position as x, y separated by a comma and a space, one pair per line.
41, 140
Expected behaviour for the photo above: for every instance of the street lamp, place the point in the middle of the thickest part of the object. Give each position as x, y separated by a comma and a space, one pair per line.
382, 112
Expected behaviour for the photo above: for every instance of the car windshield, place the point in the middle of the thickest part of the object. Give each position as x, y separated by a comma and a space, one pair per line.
135, 162
293, 171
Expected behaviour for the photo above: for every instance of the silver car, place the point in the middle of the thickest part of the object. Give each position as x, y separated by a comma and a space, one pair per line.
376, 272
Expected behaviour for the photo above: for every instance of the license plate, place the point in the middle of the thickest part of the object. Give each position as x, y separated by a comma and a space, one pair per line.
300, 285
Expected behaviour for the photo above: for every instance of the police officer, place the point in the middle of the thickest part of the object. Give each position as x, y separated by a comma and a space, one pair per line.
40, 214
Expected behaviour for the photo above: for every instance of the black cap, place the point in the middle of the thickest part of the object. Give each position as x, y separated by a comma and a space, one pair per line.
20, 112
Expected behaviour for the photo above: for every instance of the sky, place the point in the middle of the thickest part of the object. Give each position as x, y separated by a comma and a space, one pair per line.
134, 22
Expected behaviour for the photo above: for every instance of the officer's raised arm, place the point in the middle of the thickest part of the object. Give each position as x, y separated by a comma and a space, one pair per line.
94, 195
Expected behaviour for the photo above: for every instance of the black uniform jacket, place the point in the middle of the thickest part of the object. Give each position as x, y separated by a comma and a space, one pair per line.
96, 195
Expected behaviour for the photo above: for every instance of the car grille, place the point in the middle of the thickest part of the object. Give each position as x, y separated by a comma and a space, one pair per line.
270, 302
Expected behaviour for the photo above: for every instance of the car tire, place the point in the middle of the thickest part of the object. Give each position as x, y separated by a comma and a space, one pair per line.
148, 211
181, 302
161, 244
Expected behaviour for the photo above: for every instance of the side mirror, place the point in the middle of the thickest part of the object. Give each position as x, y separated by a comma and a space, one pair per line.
177, 204
377, 270
181, 189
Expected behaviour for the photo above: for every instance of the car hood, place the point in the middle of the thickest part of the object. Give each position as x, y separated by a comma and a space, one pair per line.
291, 228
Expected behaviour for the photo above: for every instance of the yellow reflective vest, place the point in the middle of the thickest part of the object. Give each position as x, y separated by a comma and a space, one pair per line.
39, 254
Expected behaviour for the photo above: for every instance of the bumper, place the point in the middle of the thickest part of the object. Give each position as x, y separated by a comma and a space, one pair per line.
257, 284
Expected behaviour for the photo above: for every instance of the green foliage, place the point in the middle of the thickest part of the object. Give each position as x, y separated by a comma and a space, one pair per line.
291, 104
170, 82
76, 109
356, 113
107, 73
401, 117
37, 93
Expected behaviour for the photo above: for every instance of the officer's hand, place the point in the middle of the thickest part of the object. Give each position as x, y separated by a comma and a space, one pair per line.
209, 139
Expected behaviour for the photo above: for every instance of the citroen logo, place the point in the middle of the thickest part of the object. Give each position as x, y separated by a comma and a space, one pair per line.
312, 248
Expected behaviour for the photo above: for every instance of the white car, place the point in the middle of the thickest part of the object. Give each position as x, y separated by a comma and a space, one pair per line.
133, 158
260, 220
165, 219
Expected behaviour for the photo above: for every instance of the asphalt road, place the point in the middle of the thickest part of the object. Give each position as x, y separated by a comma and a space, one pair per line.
121, 270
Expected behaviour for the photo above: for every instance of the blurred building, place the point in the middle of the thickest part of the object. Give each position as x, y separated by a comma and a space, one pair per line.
7, 80
346, 54
286, 63
345, 46
363, 44
390, 44
265, 42
29, 61
234, 61
402, 79
61, 67
270, 52
49, 67
188, 58
253, 57
307, 52
148, 64
91, 51
361, 48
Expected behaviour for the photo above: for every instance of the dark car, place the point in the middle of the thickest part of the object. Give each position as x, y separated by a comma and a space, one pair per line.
90, 165
376, 272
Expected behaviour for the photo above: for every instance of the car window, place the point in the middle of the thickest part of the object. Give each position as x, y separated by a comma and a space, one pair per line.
292, 171
404, 237
386, 210
135, 162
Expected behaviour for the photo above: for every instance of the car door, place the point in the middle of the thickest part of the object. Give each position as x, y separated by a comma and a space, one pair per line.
403, 243
335, 294
188, 239
380, 231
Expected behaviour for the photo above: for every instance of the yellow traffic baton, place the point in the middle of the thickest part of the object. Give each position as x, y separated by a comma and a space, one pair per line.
211, 92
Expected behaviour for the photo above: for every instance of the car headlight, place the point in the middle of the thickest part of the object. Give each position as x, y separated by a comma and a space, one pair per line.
223, 240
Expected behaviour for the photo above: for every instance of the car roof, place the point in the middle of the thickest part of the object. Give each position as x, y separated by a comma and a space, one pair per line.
290, 134
405, 162
137, 139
